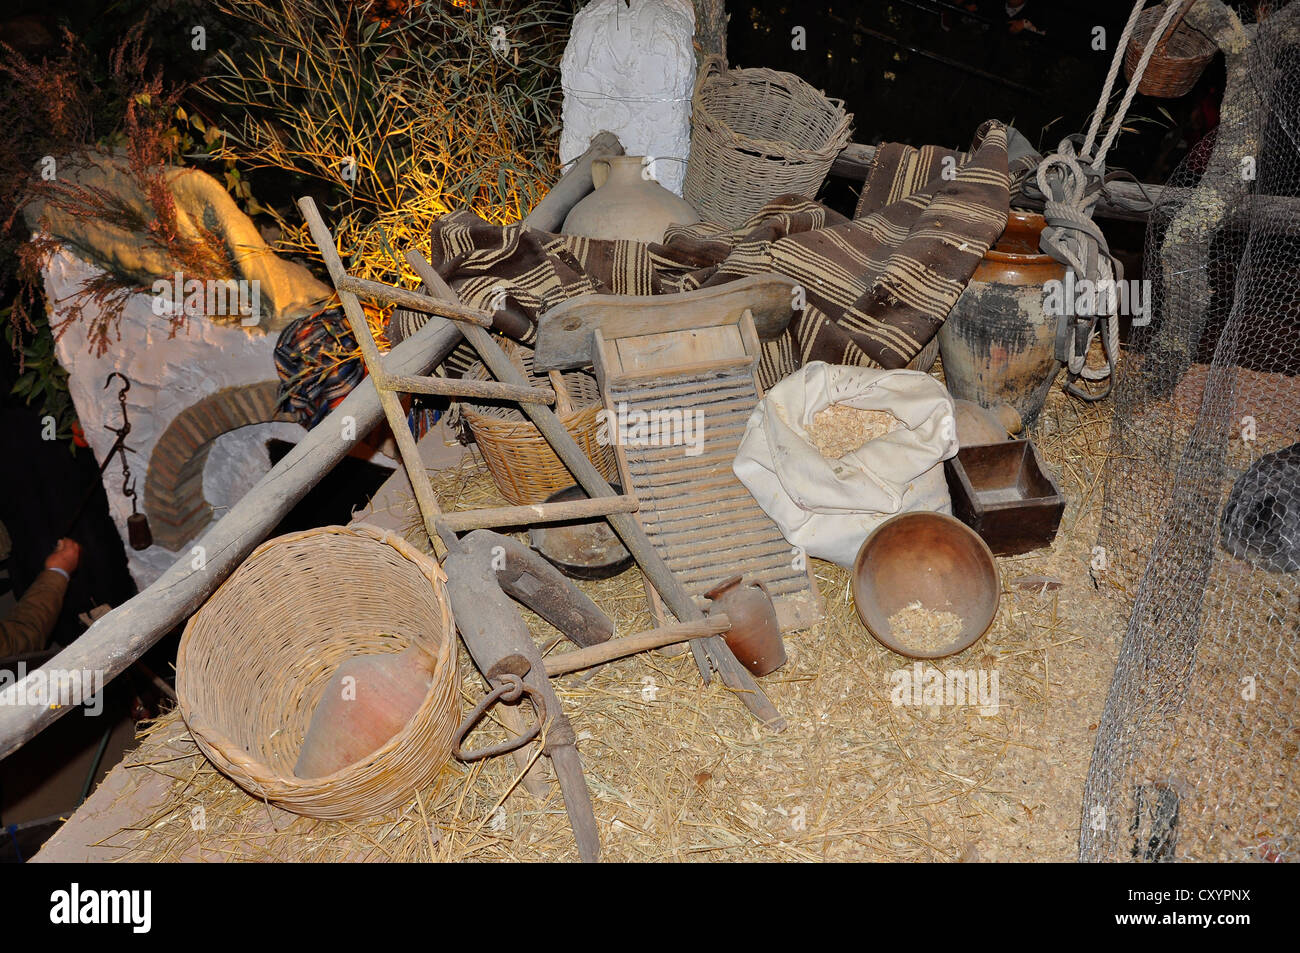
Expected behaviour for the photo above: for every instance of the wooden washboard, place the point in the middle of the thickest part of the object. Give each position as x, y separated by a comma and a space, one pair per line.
696, 513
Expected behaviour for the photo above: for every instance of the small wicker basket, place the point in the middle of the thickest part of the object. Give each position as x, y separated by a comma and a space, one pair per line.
254, 660
523, 466
1178, 59
757, 134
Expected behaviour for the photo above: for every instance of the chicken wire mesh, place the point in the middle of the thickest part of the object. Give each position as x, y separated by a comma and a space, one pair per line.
1195, 754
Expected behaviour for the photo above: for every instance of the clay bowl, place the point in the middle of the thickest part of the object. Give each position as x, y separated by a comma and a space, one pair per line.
581, 549
933, 559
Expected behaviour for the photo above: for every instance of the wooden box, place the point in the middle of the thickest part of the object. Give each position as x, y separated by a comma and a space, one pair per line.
1004, 493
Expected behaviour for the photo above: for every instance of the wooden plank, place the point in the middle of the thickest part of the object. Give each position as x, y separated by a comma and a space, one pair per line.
675, 349
463, 387
564, 334
537, 513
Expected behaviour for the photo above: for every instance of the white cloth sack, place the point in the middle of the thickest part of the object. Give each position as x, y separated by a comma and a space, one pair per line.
828, 507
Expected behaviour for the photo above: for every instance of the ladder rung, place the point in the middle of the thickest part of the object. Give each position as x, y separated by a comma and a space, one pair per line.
460, 387
415, 300
538, 513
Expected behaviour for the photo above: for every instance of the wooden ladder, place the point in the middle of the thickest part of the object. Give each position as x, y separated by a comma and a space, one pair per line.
442, 527
712, 653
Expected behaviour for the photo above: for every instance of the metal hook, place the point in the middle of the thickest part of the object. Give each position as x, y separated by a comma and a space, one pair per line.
121, 399
126, 383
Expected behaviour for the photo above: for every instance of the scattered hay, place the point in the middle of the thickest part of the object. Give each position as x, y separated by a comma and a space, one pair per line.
679, 771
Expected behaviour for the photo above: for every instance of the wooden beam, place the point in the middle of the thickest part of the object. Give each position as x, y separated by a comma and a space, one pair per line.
567, 662
121, 636
537, 513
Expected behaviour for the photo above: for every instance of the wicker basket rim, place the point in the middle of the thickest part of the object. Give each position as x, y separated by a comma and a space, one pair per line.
287, 787
1146, 25
753, 76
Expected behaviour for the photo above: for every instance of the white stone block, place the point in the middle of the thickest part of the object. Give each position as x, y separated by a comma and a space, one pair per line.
629, 68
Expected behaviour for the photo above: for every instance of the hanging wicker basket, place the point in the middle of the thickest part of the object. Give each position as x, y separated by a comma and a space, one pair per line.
1179, 58
757, 134
523, 466
256, 658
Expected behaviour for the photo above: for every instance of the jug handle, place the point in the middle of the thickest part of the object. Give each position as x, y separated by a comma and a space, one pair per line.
599, 172
722, 587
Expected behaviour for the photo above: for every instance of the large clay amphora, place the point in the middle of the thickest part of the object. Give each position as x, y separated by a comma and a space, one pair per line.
998, 344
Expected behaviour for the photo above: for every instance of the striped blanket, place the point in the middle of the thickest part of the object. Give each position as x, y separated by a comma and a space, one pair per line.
878, 286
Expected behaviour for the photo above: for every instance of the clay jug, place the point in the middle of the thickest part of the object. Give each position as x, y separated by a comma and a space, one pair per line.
755, 634
998, 344
626, 204
369, 699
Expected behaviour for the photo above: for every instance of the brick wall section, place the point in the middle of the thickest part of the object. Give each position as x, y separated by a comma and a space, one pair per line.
173, 489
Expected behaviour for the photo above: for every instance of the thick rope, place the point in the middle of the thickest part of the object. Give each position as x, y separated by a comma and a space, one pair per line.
1153, 41
1099, 113
1070, 190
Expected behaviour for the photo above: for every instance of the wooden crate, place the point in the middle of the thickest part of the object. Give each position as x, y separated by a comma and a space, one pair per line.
695, 511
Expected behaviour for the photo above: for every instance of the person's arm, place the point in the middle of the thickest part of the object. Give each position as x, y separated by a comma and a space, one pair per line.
29, 625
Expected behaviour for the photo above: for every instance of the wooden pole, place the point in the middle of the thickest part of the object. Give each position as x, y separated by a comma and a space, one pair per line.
711, 652
121, 636
632, 644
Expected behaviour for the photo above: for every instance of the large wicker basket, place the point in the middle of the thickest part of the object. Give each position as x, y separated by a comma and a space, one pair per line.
757, 134
255, 659
1178, 59
523, 466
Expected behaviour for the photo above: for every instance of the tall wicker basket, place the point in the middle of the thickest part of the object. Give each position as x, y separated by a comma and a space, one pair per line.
1178, 59
523, 466
757, 134
255, 659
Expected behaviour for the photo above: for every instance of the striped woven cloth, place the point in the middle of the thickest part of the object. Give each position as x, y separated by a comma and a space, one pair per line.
878, 286
318, 363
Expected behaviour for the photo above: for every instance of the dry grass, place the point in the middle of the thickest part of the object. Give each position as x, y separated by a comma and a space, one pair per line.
679, 771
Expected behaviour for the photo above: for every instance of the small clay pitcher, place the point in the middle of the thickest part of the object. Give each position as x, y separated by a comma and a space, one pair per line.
626, 204
755, 635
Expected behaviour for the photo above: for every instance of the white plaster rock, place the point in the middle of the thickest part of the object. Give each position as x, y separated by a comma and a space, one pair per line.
167, 375
629, 68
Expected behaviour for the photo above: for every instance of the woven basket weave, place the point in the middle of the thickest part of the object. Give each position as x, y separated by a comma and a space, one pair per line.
757, 134
523, 466
255, 659
1178, 60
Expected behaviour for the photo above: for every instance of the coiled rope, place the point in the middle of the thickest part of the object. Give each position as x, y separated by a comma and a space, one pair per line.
1071, 184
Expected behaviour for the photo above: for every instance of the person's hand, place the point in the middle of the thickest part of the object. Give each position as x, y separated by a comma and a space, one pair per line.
66, 556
